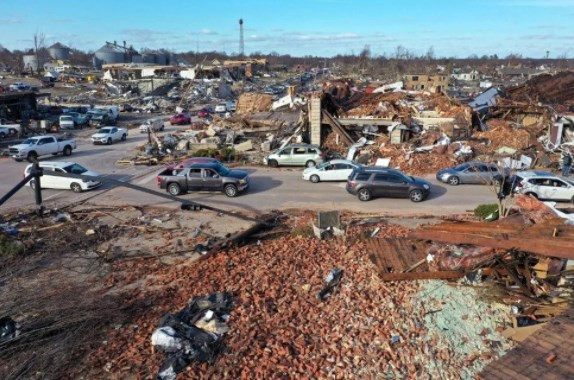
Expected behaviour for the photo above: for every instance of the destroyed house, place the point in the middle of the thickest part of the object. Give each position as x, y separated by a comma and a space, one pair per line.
437, 83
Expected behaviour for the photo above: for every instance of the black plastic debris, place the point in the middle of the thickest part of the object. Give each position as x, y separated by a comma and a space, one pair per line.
332, 280
194, 334
9, 329
201, 249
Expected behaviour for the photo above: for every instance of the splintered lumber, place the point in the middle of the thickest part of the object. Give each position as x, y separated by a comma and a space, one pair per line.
337, 128
551, 241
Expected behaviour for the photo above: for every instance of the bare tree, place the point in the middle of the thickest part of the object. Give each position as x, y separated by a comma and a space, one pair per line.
39, 41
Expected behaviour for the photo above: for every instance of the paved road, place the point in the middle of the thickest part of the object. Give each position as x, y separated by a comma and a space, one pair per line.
270, 188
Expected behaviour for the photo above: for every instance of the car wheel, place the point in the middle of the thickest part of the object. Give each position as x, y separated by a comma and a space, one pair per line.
109, 142
453, 181
230, 190
174, 189
273, 163
364, 195
310, 164
76, 188
124, 137
162, 128
32, 156
531, 194
416, 195
67, 151
315, 178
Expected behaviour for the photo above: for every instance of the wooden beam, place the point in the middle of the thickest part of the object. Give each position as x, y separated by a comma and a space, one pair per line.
337, 128
545, 246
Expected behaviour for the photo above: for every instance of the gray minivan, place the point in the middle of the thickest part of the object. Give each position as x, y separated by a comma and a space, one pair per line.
296, 155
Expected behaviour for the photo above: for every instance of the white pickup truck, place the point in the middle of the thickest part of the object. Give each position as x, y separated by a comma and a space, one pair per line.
107, 135
37, 146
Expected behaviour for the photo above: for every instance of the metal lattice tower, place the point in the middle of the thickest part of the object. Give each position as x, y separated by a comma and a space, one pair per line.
241, 42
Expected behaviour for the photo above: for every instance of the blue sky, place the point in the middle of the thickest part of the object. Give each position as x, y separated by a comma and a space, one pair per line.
299, 27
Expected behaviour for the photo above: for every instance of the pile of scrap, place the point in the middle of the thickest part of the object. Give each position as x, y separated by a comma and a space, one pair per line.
546, 88
301, 308
501, 134
529, 255
248, 103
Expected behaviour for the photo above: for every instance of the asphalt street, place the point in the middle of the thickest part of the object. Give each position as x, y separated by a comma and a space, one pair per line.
270, 188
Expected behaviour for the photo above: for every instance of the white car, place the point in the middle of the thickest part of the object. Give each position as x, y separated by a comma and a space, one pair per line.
545, 186
220, 108
48, 181
67, 122
154, 125
107, 135
334, 170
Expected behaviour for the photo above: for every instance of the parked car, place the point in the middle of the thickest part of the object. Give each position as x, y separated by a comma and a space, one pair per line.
108, 135
334, 170
80, 119
48, 181
221, 108
543, 185
67, 122
20, 86
203, 114
204, 177
37, 146
296, 155
193, 160
180, 119
367, 183
155, 125
99, 118
7, 129
472, 172
47, 82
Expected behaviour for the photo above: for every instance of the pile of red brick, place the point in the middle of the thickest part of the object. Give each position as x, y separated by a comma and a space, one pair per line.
279, 329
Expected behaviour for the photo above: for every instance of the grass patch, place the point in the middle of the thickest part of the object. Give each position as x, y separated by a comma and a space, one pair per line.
482, 211
303, 230
9, 248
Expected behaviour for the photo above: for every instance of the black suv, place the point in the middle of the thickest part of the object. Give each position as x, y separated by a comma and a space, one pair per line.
367, 183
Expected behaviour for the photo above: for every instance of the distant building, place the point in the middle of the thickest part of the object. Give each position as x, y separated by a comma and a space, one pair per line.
437, 83
466, 76
519, 72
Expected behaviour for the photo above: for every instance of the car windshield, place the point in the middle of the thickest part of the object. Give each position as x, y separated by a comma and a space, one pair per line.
75, 169
104, 130
323, 165
66, 118
221, 169
29, 141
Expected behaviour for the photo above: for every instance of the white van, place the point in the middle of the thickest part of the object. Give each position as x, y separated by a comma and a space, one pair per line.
66, 122
154, 125
48, 181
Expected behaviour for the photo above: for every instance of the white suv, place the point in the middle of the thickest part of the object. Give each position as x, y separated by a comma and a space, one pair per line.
543, 185
48, 181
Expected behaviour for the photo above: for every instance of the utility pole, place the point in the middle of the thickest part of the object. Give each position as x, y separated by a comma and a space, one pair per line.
37, 171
